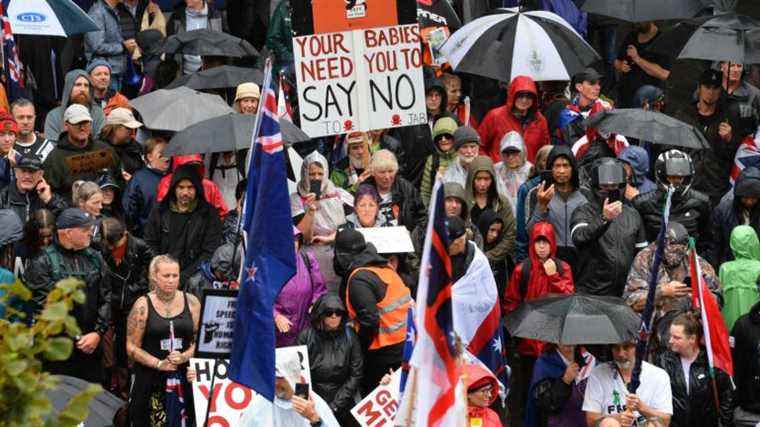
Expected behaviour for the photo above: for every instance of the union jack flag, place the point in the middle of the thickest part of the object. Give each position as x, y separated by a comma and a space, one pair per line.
270, 136
11, 64
747, 155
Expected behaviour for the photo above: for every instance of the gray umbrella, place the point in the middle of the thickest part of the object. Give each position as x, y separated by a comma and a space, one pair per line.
102, 407
644, 10
229, 132
11, 228
727, 37
649, 126
208, 43
575, 319
176, 109
218, 78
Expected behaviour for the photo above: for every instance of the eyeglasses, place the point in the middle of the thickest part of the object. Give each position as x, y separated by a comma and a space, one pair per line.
331, 313
444, 136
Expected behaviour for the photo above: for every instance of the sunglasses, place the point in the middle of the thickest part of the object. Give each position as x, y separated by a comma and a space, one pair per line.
331, 313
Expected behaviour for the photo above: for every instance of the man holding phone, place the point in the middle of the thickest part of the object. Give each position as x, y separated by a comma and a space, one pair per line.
29, 191
606, 232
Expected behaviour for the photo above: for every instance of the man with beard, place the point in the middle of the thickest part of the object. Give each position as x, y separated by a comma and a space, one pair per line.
353, 169
642, 72
102, 92
76, 90
77, 155
27, 140
607, 395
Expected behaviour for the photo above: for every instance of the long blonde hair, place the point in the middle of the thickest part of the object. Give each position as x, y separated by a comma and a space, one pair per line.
153, 267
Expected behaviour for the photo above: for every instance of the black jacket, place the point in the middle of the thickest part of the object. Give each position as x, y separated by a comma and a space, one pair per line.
26, 204
56, 263
407, 198
190, 237
691, 209
605, 249
130, 154
746, 354
129, 280
697, 408
335, 357
728, 214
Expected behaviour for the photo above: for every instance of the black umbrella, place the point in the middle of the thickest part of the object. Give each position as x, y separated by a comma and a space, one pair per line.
230, 132
649, 126
218, 78
644, 10
208, 43
727, 37
506, 44
437, 13
575, 319
102, 407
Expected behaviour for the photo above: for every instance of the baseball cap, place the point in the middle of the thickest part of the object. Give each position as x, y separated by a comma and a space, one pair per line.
711, 78
455, 227
587, 75
29, 162
76, 113
7, 122
355, 138
247, 90
124, 117
74, 218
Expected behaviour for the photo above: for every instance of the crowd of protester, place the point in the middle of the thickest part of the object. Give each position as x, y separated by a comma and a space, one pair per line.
86, 191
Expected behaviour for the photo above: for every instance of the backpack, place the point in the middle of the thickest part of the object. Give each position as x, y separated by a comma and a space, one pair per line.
526, 266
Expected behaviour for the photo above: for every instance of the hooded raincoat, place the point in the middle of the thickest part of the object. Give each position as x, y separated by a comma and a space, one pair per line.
740, 277
638, 159
54, 119
210, 190
499, 121
297, 295
538, 283
731, 212
496, 202
476, 376
513, 178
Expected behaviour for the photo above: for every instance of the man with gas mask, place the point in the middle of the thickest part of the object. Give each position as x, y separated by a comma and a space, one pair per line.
675, 169
606, 232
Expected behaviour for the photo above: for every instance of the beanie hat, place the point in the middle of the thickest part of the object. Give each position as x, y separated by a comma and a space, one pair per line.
98, 62
7, 122
443, 126
349, 241
465, 135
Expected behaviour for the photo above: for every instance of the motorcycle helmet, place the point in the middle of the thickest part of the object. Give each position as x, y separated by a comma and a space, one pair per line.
674, 163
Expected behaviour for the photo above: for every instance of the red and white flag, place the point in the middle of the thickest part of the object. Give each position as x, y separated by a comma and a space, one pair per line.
284, 111
713, 325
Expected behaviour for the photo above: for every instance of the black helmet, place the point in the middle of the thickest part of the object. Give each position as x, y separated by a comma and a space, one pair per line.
608, 171
674, 163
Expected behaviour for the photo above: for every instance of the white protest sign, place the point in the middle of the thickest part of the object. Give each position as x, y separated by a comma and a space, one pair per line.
388, 240
217, 323
379, 407
360, 80
230, 399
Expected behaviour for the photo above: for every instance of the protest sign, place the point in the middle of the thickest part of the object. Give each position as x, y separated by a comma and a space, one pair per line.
229, 398
388, 240
217, 323
379, 407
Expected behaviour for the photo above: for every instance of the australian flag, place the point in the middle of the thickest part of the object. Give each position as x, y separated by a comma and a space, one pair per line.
269, 257
12, 67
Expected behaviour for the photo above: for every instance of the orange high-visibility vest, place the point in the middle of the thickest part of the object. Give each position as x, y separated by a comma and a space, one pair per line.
392, 308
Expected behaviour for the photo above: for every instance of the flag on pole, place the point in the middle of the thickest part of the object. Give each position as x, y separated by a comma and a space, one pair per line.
411, 339
12, 67
648, 312
269, 257
176, 415
436, 400
713, 327
284, 111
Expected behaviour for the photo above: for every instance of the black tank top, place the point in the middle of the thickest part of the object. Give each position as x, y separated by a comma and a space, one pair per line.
156, 339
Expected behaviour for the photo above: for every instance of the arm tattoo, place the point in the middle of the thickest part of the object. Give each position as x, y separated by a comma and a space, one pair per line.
135, 330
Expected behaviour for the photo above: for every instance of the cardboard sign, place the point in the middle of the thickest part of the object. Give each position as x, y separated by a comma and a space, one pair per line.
360, 80
331, 16
229, 398
90, 162
379, 407
217, 325
388, 240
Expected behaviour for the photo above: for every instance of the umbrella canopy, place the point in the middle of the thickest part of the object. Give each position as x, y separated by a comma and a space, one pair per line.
218, 78
507, 44
575, 319
435, 13
208, 43
102, 407
649, 126
176, 109
48, 18
644, 10
727, 37
229, 132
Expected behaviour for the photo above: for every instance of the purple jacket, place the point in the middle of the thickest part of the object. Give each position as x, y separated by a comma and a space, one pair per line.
297, 296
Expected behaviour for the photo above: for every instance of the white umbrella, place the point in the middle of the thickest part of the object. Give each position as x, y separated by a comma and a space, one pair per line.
48, 18
510, 43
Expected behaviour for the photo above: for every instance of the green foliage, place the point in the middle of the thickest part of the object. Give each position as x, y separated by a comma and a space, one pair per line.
23, 384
